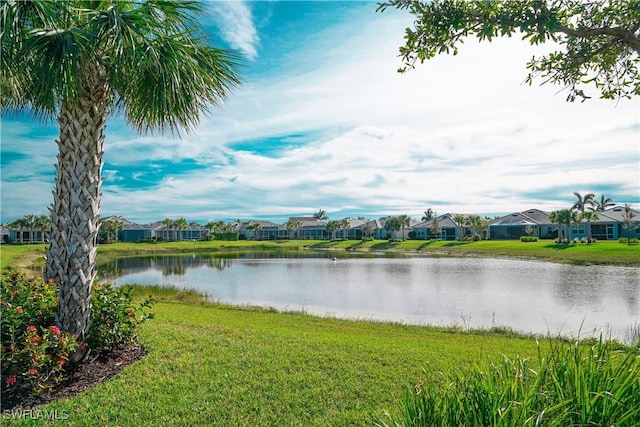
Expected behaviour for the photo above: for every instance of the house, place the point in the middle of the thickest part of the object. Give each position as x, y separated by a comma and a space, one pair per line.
192, 231
530, 222
311, 228
448, 230
609, 226
353, 231
24, 235
4, 235
130, 231
261, 230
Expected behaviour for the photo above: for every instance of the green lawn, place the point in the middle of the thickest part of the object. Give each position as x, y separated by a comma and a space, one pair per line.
612, 253
218, 365
211, 364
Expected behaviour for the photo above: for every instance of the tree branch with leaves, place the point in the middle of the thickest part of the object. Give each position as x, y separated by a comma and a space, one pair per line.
599, 41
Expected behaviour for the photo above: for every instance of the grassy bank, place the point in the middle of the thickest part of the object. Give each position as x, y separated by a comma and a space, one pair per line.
210, 364
609, 253
612, 253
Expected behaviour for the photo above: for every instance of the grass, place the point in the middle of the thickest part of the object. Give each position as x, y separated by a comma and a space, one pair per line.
613, 253
574, 384
213, 364
610, 253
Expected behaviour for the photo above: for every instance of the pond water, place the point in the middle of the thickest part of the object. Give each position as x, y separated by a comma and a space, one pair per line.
528, 296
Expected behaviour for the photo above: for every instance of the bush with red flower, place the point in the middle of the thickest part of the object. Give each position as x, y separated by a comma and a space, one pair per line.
35, 352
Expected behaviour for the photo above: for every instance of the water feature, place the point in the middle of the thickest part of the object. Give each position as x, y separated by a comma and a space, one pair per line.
528, 296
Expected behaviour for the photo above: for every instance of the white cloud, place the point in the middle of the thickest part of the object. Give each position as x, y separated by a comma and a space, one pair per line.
235, 21
459, 134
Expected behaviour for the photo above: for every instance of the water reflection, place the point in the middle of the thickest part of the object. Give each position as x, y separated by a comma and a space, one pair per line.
528, 296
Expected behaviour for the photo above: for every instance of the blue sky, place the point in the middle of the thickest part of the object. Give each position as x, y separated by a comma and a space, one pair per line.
324, 121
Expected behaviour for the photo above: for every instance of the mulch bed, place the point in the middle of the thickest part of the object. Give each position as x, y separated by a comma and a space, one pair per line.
96, 369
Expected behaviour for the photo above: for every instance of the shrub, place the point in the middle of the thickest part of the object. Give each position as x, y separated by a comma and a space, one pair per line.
35, 353
528, 239
574, 384
115, 319
631, 240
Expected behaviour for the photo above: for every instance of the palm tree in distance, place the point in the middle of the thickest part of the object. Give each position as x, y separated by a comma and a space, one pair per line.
405, 221
589, 216
332, 227
603, 203
554, 218
78, 62
321, 215
392, 224
168, 225
568, 217
628, 220
345, 224
429, 214
44, 224
179, 225
583, 202
459, 222
474, 222
367, 229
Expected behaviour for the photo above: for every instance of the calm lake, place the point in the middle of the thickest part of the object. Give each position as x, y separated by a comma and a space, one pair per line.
528, 296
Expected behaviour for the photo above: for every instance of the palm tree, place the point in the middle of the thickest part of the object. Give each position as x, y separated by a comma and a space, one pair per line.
179, 225
627, 220
603, 203
345, 224
19, 224
44, 224
429, 214
367, 229
435, 227
458, 220
78, 62
332, 227
320, 215
568, 217
583, 201
29, 222
255, 227
392, 224
168, 225
405, 221
589, 216
293, 226
474, 222
554, 218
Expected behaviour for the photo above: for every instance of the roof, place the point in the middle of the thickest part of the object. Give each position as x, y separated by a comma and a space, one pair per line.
528, 217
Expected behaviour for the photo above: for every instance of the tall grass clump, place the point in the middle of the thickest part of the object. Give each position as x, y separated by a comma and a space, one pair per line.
569, 384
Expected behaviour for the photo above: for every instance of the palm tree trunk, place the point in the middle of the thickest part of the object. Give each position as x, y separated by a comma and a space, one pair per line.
76, 204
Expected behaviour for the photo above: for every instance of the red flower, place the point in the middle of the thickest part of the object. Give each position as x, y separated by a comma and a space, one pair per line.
54, 330
84, 345
31, 328
19, 310
32, 371
36, 357
63, 340
60, 362
14, 291
11, 380
101, 317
